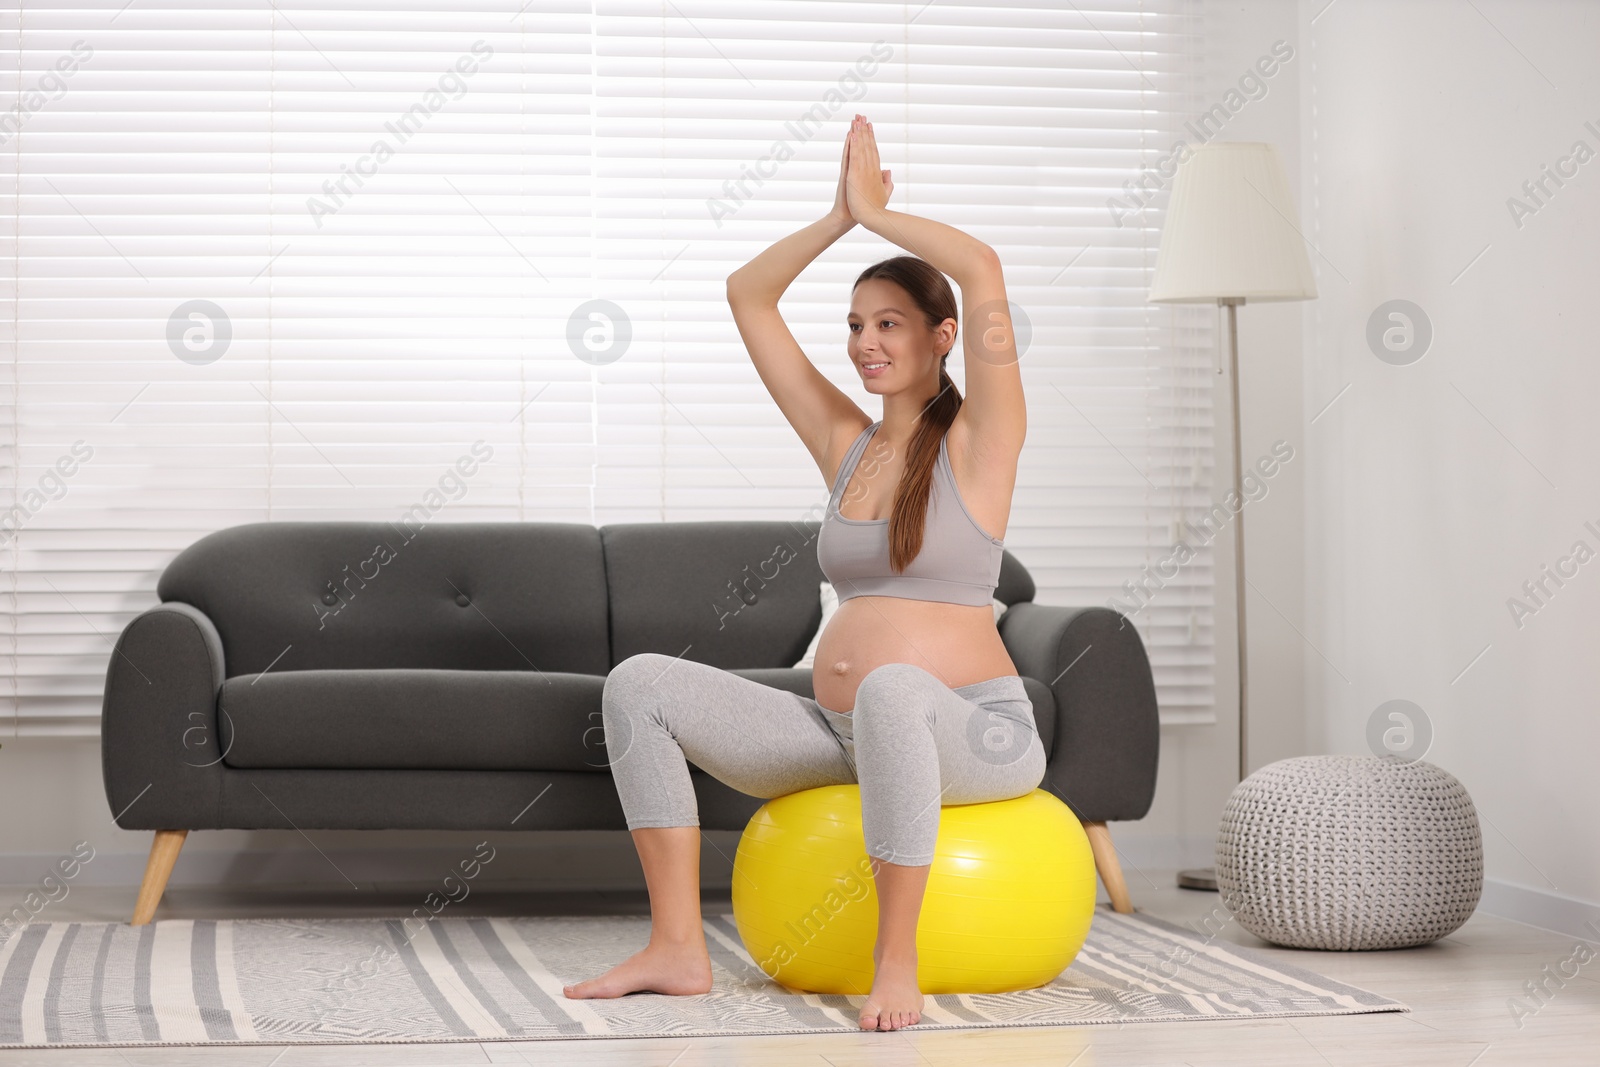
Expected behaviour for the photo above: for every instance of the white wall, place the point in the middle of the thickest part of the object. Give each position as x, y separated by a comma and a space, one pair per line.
1436, 489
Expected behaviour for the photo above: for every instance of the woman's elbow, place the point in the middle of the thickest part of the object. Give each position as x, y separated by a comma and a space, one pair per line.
740, 291
738, 281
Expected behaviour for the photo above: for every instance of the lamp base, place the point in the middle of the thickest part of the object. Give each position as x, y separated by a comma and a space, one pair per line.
1204, 878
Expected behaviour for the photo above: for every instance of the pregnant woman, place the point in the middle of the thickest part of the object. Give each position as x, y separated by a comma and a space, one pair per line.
916, 696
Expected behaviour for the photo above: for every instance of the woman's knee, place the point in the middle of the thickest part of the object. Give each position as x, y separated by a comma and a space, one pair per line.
632, 690
892, 691
637, 677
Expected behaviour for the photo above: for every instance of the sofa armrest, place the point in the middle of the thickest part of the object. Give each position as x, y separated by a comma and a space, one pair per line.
159, 751
1108, 735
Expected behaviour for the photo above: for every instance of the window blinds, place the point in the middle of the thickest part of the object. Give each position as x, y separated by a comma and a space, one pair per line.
292, 260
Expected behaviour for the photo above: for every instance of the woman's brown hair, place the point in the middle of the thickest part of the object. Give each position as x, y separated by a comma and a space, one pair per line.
930, 290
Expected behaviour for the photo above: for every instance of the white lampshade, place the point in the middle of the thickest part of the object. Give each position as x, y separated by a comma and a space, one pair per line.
1231, 230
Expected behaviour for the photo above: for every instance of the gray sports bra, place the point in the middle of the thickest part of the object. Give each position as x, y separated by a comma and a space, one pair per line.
958, 564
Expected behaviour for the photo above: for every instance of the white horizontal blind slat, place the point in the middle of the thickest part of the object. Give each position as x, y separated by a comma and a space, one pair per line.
387, 310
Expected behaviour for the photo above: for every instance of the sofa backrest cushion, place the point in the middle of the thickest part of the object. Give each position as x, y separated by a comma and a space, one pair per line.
728, 593
463, 596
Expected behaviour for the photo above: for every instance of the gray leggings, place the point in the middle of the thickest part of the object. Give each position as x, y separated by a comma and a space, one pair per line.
911, 741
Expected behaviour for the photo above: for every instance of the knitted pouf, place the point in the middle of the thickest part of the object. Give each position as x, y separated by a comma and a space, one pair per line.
1350, 852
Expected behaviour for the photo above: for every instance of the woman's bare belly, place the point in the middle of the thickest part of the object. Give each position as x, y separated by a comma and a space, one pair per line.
957, 643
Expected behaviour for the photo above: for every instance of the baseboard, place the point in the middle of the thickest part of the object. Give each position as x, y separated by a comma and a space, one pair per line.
1537, 907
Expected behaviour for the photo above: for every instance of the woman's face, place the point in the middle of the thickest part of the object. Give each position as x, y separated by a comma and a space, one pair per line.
887, 327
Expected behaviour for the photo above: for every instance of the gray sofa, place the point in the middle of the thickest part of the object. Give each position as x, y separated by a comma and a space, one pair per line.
367, 675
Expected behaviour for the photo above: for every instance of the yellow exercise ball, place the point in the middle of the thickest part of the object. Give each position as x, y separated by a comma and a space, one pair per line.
1008, 904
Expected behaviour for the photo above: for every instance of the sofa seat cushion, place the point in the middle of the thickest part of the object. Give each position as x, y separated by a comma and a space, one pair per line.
402, 718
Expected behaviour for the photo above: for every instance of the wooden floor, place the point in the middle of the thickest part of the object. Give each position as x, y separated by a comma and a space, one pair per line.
1458, 990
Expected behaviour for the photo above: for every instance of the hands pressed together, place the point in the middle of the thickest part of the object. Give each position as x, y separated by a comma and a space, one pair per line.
864, 187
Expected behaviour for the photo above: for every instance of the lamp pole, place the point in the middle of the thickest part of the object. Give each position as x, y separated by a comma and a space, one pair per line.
1232, 303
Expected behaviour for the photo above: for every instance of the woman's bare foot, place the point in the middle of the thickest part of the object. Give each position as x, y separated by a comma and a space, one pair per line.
677, 968
895, 1000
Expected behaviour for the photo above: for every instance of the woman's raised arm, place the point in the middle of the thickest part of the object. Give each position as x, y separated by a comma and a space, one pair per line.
820, 412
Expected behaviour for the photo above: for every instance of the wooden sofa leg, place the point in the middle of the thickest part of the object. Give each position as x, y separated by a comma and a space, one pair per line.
163, 854
1105, 861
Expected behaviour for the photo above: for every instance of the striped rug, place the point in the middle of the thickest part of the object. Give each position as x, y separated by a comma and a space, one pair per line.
321, 981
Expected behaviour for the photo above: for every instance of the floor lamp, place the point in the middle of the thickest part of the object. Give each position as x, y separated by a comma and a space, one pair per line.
1231, 235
